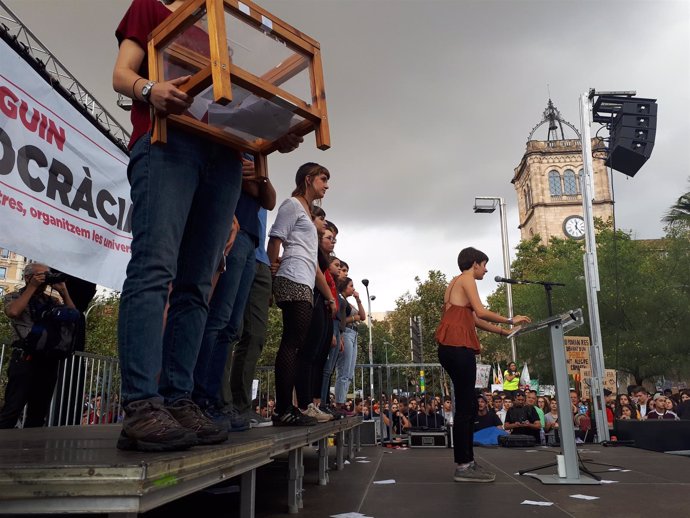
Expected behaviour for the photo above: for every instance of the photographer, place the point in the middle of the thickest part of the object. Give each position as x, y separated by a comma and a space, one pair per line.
33, 369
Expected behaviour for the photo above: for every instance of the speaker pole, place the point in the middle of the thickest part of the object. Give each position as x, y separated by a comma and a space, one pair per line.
592, 269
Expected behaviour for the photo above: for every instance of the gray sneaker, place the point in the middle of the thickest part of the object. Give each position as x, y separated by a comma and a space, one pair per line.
255, 420
473, 473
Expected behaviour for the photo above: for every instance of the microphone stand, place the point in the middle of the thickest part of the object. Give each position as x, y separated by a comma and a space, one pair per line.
548, 287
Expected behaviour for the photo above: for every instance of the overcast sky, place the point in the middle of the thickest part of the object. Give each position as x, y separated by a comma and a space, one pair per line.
431, 103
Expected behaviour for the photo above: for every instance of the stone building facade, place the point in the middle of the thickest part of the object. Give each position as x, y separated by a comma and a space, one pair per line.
549, 191
11, 269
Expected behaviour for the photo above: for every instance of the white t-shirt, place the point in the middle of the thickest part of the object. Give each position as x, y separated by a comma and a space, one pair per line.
294, 227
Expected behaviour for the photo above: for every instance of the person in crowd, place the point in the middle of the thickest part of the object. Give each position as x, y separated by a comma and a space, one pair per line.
347, 357
395, 419
670, 403
184, 196
622, 400
447, 410
32, 372
641, 398
626, 412
684, 405
431, 418
522, 418
412, 408
457, 346
498, 408
531, 400
610, 400
511, 379
336, 345
296, 274
660, 411
551, 417
228, 302
485, 417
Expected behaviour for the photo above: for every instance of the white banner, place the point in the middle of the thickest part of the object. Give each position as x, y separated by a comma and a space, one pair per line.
64, 195
483, 375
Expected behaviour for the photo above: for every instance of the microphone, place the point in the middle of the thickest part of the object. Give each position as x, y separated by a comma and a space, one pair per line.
498, 278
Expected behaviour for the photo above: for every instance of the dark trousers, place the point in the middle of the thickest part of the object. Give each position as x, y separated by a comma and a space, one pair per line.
461, 366
31, 382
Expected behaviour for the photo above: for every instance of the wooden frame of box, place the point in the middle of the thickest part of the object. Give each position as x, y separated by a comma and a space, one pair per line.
288, 97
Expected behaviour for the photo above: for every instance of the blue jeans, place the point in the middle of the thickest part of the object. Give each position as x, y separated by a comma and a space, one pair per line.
345, 366
184, 195
329, 367
224, 320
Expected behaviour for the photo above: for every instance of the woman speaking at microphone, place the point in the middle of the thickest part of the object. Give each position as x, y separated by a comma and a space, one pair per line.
458, 345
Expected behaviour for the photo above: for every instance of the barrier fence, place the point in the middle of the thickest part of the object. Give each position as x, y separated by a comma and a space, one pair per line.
87, 391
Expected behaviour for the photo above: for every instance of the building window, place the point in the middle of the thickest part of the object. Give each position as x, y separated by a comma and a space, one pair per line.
4, 253
555, 184
569, 183
3, 272
528, 197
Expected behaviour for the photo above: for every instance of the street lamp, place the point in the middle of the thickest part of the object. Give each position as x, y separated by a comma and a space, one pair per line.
371, 346
487, 205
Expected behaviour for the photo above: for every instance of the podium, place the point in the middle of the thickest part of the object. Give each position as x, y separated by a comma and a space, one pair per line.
558, 325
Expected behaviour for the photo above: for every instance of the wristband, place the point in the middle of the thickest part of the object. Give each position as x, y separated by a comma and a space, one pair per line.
509, 321
332, 301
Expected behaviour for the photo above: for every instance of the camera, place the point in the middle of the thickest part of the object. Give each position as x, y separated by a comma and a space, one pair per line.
55, 278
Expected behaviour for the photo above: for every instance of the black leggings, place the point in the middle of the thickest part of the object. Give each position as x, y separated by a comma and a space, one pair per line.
461, 366
296, 319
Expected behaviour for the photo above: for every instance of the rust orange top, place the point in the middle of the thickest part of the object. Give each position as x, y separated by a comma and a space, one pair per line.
457, 328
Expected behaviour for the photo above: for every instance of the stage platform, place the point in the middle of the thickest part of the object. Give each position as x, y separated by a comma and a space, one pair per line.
656, 485
79, 470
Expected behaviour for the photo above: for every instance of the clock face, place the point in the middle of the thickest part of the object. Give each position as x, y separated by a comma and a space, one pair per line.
574, 227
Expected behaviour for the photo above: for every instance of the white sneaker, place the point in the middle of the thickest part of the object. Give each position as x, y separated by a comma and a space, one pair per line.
313, 411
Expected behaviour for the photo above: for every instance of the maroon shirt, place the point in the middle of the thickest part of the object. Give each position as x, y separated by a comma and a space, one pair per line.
139, 21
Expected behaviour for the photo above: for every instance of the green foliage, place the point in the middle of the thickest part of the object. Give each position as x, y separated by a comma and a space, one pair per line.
101, 325
273, 334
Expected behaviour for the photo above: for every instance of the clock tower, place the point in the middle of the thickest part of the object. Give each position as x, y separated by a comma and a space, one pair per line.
547, 182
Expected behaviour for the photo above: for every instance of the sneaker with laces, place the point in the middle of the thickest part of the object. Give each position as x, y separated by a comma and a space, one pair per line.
233, 420
148, 426
313, 411
337, 414
293, 417
255, 420
473, 473
189, 415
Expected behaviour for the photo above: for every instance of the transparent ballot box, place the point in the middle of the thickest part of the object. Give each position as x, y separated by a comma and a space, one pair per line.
254, 78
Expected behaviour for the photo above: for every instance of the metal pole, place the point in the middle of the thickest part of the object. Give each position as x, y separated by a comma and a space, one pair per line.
592, 271
371, 345
506, 268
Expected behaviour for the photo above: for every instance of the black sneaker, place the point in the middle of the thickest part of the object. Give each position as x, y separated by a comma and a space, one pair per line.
293, 417
148, 426
337, 414
189, 415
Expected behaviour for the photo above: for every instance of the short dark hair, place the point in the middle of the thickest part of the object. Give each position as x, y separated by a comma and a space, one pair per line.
317, 212
331, 226
342, 284
468, 256
520, 393
344, 264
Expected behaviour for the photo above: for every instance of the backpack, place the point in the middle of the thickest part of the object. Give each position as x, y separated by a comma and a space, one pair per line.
54, 332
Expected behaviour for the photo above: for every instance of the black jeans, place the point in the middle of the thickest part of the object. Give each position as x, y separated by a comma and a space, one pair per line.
31, 382
461, 366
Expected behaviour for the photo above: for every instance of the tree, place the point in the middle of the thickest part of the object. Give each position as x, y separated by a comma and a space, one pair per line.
679, 213
101, 325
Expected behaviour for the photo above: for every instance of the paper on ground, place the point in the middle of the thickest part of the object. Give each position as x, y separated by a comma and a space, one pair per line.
609, 481
363, 461
358, 458
388, 481
534, 502
349, 515
585, 497
347, 462
615, 469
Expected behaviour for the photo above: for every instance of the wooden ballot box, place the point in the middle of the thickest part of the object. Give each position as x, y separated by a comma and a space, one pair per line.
254, 78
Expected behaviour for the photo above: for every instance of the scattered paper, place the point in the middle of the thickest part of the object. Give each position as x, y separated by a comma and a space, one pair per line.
534, 502
359, 458
347, 462
615, 469
363, 461
349, 515
388, 481
609, 481
530, 451
585, 497
625, 470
